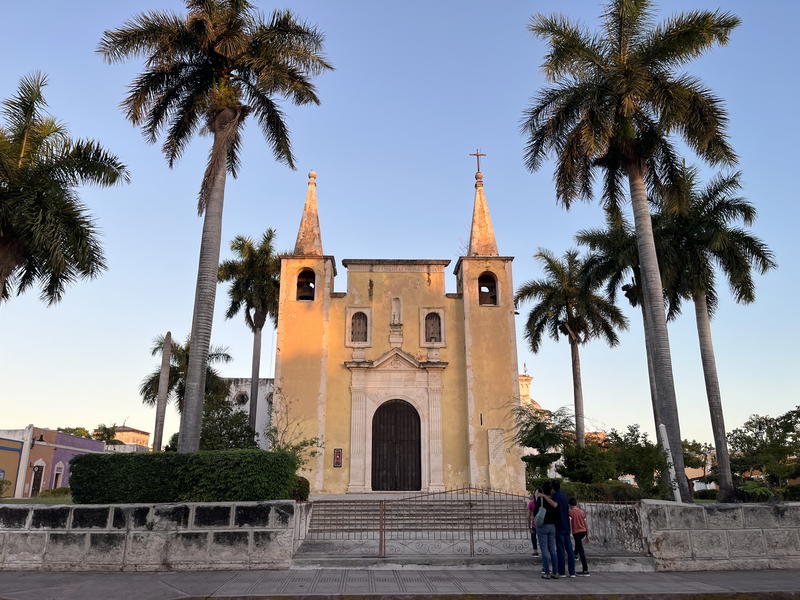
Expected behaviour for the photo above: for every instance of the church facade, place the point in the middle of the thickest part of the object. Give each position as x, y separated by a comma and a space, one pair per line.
407, 387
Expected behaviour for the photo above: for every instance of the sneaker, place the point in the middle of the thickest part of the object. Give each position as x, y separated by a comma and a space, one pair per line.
584, 574
545, 575
572, 576
553, 576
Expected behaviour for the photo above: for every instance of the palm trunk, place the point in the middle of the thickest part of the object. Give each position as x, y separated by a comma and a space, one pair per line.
577, 393
714, 397
254, 377
205, 295
653, 296
651, 376
163, 390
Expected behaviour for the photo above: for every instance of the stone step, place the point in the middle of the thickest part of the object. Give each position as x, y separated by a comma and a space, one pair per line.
597, 564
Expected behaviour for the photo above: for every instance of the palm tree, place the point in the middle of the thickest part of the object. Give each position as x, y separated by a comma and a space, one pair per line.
255, 282
46, 233
178, 369
616, 103
614, 258
564, 306
706, 239
215, 66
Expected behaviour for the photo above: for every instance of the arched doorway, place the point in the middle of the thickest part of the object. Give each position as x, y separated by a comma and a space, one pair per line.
396, 463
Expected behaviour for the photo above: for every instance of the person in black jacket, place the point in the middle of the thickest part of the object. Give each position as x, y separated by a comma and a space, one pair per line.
563, 542
547, 530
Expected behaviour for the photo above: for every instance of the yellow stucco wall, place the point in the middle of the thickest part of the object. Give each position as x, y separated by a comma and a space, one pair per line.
10, 452
313, 383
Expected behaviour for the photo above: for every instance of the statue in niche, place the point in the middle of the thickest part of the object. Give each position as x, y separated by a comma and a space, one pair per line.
395, 311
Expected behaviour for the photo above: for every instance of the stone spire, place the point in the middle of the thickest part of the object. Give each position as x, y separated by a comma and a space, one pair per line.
309, 239
481, 236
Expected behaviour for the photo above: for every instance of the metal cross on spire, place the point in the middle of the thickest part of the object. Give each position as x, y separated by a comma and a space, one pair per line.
477, 154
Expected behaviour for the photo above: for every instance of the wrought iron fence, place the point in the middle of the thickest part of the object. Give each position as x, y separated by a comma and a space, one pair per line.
461, 522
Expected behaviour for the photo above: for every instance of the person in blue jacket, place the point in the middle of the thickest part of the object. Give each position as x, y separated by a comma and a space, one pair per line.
563, 539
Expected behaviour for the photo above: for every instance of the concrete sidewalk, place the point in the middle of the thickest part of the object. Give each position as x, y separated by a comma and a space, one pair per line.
338, 583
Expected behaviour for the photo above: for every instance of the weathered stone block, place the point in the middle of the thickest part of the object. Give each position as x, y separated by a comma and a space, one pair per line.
212, 516
65, 547
188, 547
50, 518
670, 544
792, 516
170, 517
746, 542
89, 518
764, 516
147, 548
724, 516
709, 544
271, 546
130, 517
24, 547
686, 517
655, 516
252, 516
106, 548
13, 518
782, 542
230, 546
282, 514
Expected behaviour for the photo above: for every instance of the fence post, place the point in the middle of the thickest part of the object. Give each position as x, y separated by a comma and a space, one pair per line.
471, 527
382, 530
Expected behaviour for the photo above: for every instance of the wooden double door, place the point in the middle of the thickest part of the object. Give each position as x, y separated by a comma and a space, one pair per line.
396, 447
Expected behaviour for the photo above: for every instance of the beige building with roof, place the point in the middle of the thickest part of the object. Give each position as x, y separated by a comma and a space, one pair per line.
408, 386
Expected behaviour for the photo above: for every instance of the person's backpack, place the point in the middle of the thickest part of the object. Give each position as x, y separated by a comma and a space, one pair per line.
538, 518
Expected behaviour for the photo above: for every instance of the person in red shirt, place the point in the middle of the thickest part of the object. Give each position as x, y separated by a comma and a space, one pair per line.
580, 532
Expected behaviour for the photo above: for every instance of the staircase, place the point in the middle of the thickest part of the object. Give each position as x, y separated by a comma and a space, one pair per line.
459, 528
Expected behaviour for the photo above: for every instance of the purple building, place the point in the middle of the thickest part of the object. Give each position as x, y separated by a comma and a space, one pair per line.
66, 447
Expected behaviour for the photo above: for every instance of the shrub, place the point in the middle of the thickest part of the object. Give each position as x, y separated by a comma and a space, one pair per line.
302, 488
608, 491
706, 494
791, 493
5, 484
55, 493
212, 476
590, 464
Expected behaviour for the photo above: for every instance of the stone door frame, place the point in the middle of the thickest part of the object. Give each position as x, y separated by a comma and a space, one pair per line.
395, 376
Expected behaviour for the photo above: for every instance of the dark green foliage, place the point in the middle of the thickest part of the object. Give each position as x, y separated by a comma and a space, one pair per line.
79, 431
225, 427
596, 492
543, 431
228, 475
302, 488
791, 493
768, 447
591, 464
172, 445
706, 494
47, 236
634, 454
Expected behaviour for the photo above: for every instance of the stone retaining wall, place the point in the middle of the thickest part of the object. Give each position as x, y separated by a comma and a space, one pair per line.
147, 537
694, 537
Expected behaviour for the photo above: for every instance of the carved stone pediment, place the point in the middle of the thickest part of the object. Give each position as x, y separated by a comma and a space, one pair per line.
394, 360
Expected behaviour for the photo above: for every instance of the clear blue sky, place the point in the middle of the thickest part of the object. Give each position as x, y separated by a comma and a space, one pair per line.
418, 86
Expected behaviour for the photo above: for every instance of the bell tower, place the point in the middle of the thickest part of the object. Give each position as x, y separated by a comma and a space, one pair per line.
492, 388
303, 329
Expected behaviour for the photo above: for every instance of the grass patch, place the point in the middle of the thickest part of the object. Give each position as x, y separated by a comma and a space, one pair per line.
38, 500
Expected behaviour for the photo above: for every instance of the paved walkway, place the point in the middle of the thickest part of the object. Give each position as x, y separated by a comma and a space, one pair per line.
332, 583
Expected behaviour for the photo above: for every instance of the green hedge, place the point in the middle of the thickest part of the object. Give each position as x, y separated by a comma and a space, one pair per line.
213, 476
706, 494
589, 492
301, 490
